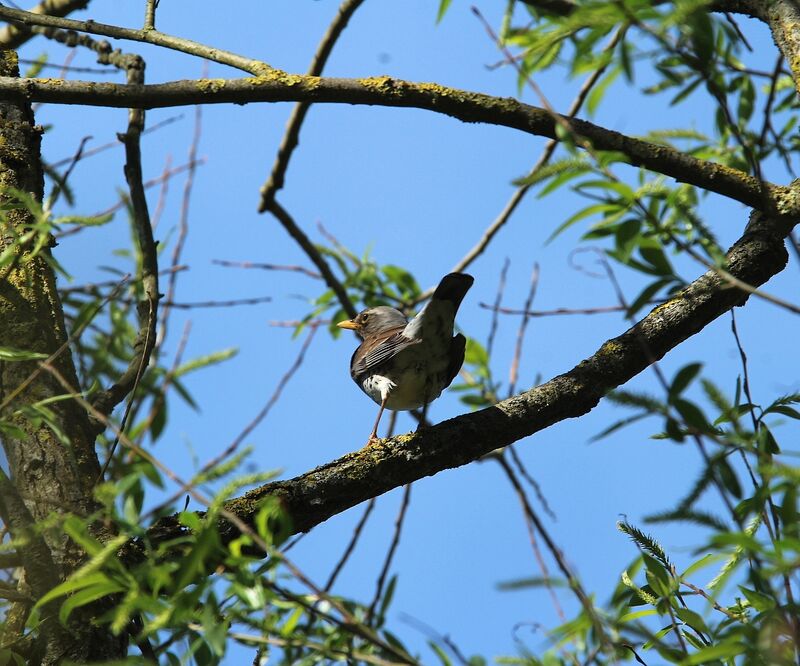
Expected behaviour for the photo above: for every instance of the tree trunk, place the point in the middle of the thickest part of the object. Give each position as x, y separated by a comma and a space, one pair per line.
52, 461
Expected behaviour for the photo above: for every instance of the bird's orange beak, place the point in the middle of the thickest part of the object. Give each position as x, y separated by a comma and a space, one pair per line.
348, 324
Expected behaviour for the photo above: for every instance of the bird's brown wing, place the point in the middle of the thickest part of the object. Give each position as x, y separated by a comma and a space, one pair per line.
457, 349
375, 351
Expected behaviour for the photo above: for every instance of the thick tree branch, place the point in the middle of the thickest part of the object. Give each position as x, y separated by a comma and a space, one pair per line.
332, 488
278, 86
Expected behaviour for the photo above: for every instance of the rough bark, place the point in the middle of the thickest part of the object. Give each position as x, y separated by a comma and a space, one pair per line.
49, 474
783, 19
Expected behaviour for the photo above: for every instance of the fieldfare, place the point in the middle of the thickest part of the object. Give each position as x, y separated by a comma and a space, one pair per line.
403, 364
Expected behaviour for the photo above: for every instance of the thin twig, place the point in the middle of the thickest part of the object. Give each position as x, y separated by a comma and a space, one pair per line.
773, 89
161, 202
114, 144
158, 180
183, 221
349, 621
348, 551
516, 198
387, 563
257, 419
106, 400
18, 16
268, 267
150, 14
512, 450
562, 311
501, 286
513, 373
291, 135
256, 300
313, 253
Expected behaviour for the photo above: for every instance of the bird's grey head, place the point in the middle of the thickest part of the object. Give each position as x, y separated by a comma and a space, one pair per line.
373, 321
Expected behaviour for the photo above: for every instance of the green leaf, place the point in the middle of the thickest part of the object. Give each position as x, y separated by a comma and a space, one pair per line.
13, 354
729, 478
692, 619
205, 361
646, 295
683, 378
72, 585
758, 600
746, 100
703, 562
526, 583
724, 650
600, 89
791, 412
692, 415
444, 5
86, 596
439, 652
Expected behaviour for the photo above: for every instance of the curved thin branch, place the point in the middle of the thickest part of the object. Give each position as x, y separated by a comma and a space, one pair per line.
13, 36
544, 158
292, 134
278, 86
315, 496
307, 246
30, 19
106, 400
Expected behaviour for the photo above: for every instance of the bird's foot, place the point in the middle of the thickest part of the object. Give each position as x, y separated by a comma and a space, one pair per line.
373, 439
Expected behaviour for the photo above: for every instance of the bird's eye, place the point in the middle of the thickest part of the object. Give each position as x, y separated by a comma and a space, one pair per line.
364, 317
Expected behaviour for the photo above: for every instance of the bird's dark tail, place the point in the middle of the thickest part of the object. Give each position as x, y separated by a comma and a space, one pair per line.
453, 287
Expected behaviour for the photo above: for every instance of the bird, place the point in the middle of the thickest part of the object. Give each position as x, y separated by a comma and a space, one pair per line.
403, 364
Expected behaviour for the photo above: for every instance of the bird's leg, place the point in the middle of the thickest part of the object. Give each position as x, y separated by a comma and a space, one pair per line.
374, 434
423, 420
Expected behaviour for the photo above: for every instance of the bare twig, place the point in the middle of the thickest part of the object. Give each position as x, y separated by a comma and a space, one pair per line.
387, 563
561, 311
161, 202
512, 204
113, 144
262, 414
291, 135
256, 300
512, 450
106, 400
501, 285
183, 222
350, 546
268, 267
558, 556
317, 259
773, 88
513, 372
27, 19
165, 176
150, 14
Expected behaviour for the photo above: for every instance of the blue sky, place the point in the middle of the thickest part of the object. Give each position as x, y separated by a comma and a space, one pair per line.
414, 189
